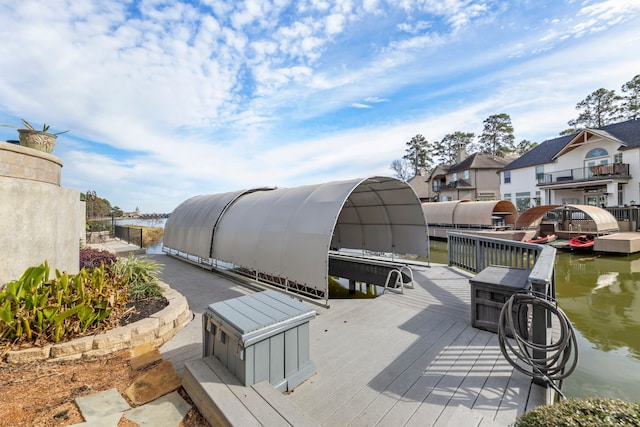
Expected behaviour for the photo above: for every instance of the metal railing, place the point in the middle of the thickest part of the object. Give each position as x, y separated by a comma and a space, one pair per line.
132, 235
623, 214
475, 253
584, 173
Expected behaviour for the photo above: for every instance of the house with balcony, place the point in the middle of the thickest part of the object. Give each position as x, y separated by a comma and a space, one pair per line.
427, 184
598, 167
473, 177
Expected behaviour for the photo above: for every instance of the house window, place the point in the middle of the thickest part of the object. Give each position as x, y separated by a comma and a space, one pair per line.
596, 152
507, 196
523, 201
537, 199
539, 173
466, 174
620, 195
507, 177
444, 198
617, 158
455, 176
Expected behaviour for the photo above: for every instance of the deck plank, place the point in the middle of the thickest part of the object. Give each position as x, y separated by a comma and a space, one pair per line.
428, 380
399, 359
394, 381
380, 378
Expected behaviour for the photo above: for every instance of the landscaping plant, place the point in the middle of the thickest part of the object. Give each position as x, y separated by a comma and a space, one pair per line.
37, 310
91, 258
141, 276
596, 412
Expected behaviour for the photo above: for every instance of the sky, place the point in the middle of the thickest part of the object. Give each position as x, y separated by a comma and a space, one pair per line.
166, 100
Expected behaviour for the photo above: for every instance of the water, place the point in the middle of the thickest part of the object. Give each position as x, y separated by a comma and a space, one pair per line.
601, 296
155, 248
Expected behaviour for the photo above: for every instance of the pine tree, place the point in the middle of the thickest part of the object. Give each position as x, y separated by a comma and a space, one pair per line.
598, 109
497, 137
630, 104
417, 153
446, 150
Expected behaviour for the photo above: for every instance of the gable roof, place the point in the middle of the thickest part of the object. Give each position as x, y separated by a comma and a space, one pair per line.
441, 169
480, 161
627, 133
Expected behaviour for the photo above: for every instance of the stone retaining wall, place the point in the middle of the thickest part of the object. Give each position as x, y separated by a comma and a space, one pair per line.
156, 329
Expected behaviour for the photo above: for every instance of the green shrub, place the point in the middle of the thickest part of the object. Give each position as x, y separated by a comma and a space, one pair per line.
36, 309
598, 412
141, 275
144, 290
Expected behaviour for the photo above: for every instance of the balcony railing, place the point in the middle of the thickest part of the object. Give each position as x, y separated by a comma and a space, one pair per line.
585, 173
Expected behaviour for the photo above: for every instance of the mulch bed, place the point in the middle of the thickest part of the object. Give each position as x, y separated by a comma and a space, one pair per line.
141, 309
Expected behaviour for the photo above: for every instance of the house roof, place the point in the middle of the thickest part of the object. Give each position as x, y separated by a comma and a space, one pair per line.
441, 169
480, 161
459, 184
628, 133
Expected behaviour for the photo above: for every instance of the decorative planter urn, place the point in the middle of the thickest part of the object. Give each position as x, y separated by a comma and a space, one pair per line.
39, 140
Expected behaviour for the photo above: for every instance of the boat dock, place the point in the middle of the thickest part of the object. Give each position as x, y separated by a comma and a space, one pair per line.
621, 243
399, 359
617, 243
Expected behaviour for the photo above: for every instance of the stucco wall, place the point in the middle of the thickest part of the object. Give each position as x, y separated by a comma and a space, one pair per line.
39, 219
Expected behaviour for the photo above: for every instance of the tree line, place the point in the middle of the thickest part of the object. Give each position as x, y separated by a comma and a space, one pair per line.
600, 108
98, 207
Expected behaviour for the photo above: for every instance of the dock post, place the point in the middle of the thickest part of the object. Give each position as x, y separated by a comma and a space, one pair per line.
539, 323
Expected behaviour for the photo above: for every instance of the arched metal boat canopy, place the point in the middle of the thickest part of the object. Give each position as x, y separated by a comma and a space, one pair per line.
603, 220
287, 233
440, 213
469, 213
190, 226
483, 212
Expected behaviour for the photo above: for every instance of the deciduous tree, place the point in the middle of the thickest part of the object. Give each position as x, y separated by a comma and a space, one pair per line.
401, 169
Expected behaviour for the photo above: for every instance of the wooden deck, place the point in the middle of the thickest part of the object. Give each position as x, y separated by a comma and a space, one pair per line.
399, 359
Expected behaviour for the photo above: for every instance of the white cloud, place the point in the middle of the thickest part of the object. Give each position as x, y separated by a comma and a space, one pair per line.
186, 98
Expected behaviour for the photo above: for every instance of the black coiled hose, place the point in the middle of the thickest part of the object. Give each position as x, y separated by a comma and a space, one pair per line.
561, 356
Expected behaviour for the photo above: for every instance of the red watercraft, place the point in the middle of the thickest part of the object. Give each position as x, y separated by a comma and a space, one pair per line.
582, 242
543, 239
